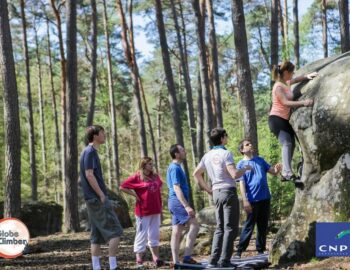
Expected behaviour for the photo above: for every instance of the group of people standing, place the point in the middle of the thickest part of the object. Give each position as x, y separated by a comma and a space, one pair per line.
145, 185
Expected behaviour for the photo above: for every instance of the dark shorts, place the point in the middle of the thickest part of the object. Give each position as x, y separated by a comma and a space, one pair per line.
179, 214
104, 221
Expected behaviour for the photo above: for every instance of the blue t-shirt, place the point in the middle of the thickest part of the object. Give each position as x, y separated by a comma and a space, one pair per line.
176, 176
89, 160
255, 180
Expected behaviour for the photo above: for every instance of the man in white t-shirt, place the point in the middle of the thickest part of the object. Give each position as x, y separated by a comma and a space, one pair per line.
221, 169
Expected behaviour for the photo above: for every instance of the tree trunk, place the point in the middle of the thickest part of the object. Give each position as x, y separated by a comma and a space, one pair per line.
55, 113
186, 78
63, 92
200, 120
41, 112
324, 28
215, 63
111, 99
171, 86
296, 33
274, 34
285, 26
132, 51
90, 116
133, 73
31, 136
71, 217
12, 194
280, 16
344, 25
199, 11
244, 80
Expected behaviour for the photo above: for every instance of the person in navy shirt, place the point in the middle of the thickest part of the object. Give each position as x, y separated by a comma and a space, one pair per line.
255, 195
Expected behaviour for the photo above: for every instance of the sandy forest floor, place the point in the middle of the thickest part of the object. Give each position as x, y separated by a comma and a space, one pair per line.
71, 251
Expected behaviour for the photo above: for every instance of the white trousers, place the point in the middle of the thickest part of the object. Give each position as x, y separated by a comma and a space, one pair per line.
147, 230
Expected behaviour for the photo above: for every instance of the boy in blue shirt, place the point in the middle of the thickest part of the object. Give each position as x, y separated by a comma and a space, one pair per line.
255, 195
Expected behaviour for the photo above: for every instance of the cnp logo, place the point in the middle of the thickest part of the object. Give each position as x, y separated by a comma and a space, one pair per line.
14, 237
332, 239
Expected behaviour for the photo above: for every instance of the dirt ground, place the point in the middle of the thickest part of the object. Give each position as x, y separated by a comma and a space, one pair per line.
71, 251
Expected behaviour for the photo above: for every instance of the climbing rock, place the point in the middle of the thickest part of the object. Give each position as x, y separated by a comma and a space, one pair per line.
324, 134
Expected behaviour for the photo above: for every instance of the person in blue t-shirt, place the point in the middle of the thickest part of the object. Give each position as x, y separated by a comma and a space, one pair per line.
178, 203
255, 195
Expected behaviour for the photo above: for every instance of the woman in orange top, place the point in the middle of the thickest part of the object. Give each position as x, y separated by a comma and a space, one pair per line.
282, 102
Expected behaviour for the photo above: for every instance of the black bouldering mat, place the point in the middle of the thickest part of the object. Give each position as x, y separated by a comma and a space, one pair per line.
248, 263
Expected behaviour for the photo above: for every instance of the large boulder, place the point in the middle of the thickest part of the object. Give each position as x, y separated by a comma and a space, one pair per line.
42, 218
324, 134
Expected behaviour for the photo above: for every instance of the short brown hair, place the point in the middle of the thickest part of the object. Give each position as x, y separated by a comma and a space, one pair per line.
91, 131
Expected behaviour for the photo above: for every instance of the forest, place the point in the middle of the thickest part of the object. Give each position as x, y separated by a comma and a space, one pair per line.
152, 73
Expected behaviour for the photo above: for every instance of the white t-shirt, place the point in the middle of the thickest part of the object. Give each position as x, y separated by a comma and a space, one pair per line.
215, 162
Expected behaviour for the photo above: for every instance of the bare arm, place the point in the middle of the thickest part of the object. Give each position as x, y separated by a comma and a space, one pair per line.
274, 170
237, 173
290, 103
246, 203
93, 183
198, 177
305, 77
184, 202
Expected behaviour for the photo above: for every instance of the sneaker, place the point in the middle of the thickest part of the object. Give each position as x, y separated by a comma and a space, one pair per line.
292, 178
159, 263
212, 265
190, 261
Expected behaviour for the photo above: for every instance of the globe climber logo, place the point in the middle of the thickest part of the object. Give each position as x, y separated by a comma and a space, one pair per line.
14, 237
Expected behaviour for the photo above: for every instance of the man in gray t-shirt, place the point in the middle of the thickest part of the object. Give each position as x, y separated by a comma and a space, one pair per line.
219, 164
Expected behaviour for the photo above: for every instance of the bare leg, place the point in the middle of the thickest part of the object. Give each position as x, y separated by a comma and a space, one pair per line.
191, 236
155, 253
175, 241
139, 257
95, 250
113, 247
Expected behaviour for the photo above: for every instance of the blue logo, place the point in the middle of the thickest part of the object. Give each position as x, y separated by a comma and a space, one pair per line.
332, 239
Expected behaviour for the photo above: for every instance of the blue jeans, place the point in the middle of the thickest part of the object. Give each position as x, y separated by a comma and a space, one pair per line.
260, 217
227, 218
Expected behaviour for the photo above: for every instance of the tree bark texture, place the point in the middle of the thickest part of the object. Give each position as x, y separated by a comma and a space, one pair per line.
324, 28
71, 217
93, 74
114, 128
296, 33
199, 10
12, 194
344, 25
31, 136
244, 80
274, 32
215, 63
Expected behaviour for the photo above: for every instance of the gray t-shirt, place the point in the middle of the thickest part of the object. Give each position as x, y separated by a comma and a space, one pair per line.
215, 162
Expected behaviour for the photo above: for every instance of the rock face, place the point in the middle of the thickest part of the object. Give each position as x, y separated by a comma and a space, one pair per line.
324, 134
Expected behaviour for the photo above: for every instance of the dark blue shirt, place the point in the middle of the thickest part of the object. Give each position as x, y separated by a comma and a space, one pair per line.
255, 180
176, 176
89, 160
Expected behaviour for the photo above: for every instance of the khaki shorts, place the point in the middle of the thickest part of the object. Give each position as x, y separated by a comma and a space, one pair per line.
104, 221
